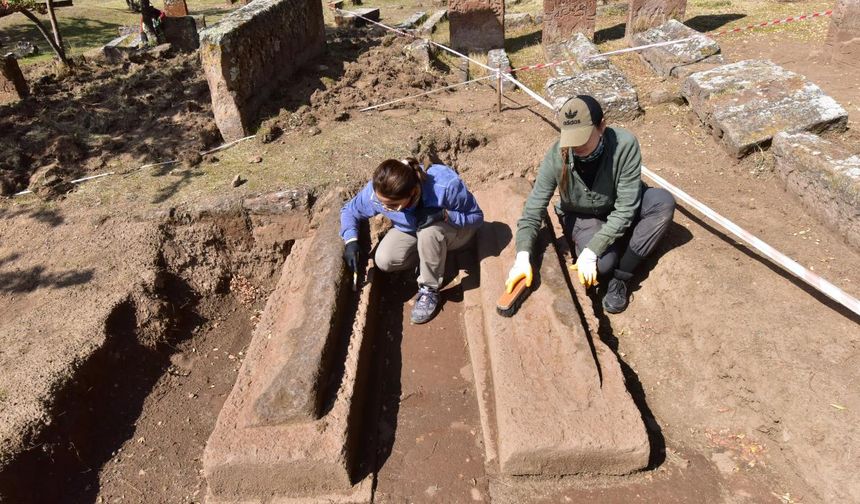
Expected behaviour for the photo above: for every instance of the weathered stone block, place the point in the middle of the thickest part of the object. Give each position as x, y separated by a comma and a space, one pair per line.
477, 25
556, 391
578, 48
498, 58
287, 448
518, 20
181, 33
609, 87
429, 26
665, 60
746, 103
248, 52
420, 51
13, 87
345, 20
825, 175
175, 8
413, 20
645, 14
591, 74
843, 38
563, 18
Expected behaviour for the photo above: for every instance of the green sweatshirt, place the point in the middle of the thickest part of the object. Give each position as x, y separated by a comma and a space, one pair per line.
615, 192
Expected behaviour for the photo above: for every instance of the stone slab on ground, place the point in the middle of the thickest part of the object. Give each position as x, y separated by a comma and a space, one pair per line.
421, 52
609, 87
645, 14
666, 60
591, 74
562, 19
477, 25
518, 20
13, 86
843, 36
434, 19
413, 20
825, 175
498, 58
181, 33
175, 8
248, 53
347, 20
745, 104
248, 459
560, 402
578, 48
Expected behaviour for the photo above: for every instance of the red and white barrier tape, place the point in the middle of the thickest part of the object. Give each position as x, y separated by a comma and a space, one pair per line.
789, 19
812, 279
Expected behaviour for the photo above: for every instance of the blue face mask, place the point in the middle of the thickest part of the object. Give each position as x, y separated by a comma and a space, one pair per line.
596, 153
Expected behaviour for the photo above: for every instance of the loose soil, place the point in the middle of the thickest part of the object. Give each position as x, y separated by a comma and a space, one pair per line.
746, 373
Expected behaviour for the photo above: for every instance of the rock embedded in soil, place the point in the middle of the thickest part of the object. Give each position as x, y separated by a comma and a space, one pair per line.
557, 391
667, 60
250, 50
825, 175
745, 104
420, 52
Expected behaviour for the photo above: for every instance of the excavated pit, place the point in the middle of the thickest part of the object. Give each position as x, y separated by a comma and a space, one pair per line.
157, 381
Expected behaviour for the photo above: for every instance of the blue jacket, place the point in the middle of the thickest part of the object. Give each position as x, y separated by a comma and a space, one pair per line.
443, 189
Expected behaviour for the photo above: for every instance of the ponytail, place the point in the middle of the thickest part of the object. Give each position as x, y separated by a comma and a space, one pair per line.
396, 180
566, 159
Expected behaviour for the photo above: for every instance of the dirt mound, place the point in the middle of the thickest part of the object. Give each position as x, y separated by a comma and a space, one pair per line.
361, 68
102, 115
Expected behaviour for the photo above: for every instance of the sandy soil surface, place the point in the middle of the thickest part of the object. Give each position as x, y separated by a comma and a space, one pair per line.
747, 374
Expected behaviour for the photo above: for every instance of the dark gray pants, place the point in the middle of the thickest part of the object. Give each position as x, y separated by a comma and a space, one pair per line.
650, 223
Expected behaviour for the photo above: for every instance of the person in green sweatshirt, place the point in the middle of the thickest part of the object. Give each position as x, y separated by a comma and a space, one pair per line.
612, 218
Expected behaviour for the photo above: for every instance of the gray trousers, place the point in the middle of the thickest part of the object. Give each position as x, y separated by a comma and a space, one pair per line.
650, 223
428, 248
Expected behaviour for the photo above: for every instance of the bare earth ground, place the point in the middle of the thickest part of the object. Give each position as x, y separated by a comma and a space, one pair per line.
748, 376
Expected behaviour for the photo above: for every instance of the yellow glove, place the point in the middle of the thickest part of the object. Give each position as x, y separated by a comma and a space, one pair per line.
586, 267
522, 269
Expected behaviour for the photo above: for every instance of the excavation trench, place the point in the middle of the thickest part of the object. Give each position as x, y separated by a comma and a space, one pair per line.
132, 420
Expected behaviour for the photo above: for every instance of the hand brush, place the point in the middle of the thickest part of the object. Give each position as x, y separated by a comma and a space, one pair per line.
508, 304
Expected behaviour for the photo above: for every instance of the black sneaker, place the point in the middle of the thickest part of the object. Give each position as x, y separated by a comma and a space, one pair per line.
615, 298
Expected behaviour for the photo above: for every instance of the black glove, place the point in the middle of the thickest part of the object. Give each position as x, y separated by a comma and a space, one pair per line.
350, 255
426, 217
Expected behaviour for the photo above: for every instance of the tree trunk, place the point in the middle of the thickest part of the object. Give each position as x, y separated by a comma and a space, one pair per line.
60, 54
53, 17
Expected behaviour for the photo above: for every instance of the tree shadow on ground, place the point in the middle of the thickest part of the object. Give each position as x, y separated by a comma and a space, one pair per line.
711, 22
612, 33
78, 33
35, 277
49, 216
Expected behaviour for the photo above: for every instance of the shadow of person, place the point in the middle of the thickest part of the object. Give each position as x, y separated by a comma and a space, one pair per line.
676, 236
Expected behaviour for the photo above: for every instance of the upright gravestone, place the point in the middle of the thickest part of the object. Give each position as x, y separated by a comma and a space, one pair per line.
843, 39
175, 8
477, 25
645, 14
13, 87
248, 53
563, 18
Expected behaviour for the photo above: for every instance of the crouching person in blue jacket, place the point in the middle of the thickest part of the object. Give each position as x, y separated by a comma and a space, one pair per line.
432, 212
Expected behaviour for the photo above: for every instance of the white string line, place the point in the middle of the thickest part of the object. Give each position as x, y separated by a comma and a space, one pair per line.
812, 279
76, 181
426, 93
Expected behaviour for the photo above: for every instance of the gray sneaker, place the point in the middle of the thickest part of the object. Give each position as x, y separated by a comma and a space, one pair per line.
425, 305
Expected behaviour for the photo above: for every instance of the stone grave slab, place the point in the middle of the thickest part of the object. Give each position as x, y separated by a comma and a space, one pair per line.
518, 20
564, 18
668, 60
745, 104
434, 19
413, 20
498, 58
477, 26
825, 175
843, 37
346, 20
175, 8
645, 14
